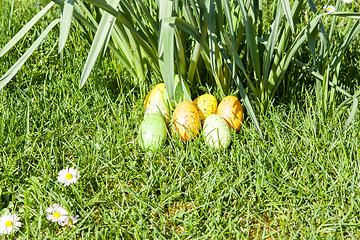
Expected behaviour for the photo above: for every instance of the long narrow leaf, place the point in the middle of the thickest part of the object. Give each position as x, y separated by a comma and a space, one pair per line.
98, 43
25, 29
65, 22
320, 77
166, 46
212, 46
323, 39
15, 68
166, 59
352, 113
109, 8
251, 38
287, 11
284, 63
270, 46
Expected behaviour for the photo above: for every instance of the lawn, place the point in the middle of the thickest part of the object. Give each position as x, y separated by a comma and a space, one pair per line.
300, 180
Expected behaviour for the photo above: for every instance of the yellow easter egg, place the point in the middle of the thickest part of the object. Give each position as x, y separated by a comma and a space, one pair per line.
206, 105
155, 93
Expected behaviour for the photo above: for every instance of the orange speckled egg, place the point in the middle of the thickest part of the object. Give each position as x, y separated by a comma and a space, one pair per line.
206, 105
186, 120
230, 109
155, 93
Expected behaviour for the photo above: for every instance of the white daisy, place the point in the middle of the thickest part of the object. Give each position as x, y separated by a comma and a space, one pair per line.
57, 214
68, 175
347, 1
71, 221
329, 8
9, 223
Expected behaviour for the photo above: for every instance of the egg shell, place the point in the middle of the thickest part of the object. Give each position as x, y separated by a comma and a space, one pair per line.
206, 105
152, 132
216, 132
155, 93
230, 109
158, 106
186, 120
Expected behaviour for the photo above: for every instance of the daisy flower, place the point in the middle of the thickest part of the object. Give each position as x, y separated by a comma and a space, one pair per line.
71, 221
9, 223
347, 1
68, 175
57, 214
329, 8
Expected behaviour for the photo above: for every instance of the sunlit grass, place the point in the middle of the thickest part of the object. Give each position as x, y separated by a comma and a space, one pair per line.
300, 181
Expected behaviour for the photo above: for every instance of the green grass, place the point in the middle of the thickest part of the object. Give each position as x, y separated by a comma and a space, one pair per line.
300, 181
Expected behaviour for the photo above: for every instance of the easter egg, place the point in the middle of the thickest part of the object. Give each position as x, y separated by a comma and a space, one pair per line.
230, 109
186, 120
216, 132
206, 105
158, 106
155, 93
180, 95
152, 132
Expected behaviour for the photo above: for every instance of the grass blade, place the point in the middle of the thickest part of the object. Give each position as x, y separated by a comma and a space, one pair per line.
15, 68
25, 29
352, 113
98, 43
65, 22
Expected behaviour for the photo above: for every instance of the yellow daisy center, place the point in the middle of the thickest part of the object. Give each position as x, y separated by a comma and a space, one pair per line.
69, 176
8, 223
70, 223
56, 215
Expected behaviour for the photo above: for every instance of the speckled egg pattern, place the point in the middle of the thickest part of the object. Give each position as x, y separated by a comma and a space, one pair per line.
230, 109
152, 132
216, 132
206, 105
186, 120
158, 106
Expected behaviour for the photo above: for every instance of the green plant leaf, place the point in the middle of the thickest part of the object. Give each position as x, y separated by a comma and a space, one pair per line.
15, 68
270, 46
25, 29
65, 22
352, 113
250, 28
312, 44
166, 46
320, 77
287, 10
212, 46
166, 55
109, 8
323, 40
98, 43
